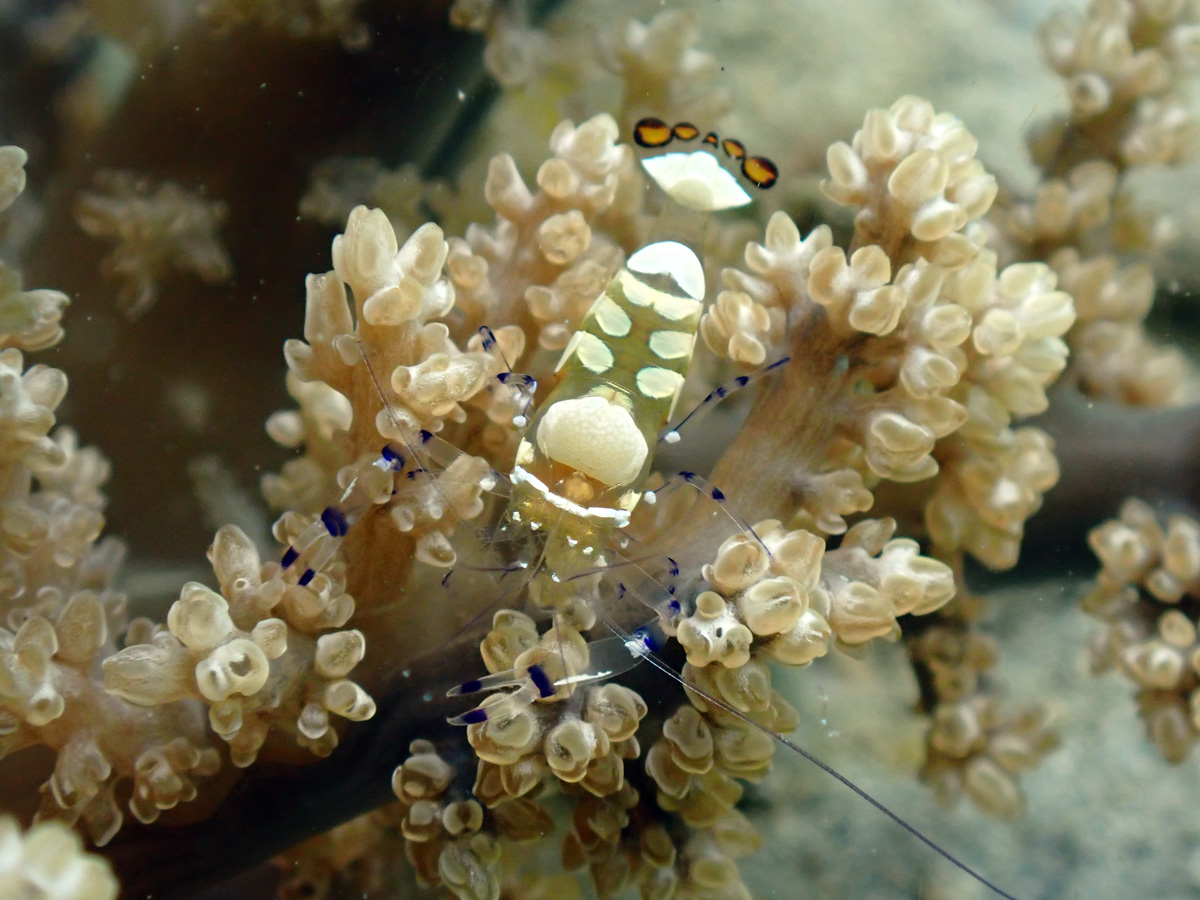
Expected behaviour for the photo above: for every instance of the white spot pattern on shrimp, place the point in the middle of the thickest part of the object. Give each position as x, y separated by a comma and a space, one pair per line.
613, 320
674, 259
657, 382
592, 352
666, 305
671, 344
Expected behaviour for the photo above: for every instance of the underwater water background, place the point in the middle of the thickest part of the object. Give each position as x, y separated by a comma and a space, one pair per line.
180, 395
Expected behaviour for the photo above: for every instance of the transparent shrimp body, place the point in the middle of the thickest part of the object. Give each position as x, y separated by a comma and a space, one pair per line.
582, 463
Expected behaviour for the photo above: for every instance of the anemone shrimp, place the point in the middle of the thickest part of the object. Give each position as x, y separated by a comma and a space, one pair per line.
567, 531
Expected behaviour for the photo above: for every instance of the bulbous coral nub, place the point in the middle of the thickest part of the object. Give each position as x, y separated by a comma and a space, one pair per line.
149, 674
238, 667
1149, 572
714, 634
29, 320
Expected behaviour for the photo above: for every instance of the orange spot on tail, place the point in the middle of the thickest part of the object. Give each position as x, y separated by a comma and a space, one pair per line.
686, 131
651, 132
733, 148
760, 171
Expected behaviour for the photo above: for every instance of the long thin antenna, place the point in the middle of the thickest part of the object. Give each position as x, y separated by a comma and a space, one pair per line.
816, 761
427, 438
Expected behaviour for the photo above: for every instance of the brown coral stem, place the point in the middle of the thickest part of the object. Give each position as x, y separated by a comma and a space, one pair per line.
1110, 452
275, 808
789, 428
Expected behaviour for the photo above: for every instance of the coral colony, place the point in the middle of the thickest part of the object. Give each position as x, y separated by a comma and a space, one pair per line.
476, 427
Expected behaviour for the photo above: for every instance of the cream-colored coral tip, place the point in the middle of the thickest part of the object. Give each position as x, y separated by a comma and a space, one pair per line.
992, 789
805, 641
557, 178
861, 613
714, 634
710, 605
882, 139
200, 617
29, 320
461, 816
595, 436
49, 863
894, 441
424, 776
1154, 664
339, 652
562, 237
773, 605
736, 326
568, 748
470, 868
512, 633
616, 709
746, 753
692, 740
348, 700
1181, 549
1123, 551
849, 177
919, 177
363, 252
1177, 629
741, 561
507, 736
238, 667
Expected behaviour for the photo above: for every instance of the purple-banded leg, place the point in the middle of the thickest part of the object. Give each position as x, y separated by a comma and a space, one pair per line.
523, 386
613, 656
534, 685
607, 658
707, 491
672, 433
316, 544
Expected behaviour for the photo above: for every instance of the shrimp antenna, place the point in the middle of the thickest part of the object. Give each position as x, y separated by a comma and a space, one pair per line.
391, 413
428, 440
815, 760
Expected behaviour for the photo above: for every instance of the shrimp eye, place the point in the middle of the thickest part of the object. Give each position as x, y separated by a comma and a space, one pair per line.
686, 131
733, 148
711, 139
760, 171
651, 132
